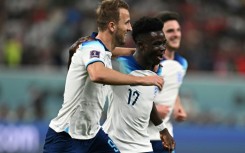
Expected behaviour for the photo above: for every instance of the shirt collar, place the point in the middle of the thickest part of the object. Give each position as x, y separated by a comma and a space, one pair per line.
93, 35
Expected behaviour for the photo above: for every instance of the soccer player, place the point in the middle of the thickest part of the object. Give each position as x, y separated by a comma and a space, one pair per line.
131, 107
76, 127
174, 68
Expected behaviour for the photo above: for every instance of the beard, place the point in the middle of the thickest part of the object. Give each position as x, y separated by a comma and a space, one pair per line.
119, 38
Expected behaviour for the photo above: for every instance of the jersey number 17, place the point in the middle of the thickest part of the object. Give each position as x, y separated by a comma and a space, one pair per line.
133, 96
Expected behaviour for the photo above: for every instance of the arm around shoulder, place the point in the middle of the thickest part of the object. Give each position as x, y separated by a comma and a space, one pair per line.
100, 74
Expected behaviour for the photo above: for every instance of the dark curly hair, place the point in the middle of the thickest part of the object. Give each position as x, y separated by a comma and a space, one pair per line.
145, 25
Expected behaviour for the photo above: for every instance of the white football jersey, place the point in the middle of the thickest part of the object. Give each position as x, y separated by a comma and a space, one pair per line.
83, 99
129, 111
173, 72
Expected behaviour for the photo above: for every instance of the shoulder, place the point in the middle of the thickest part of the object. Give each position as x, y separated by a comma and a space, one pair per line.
125, 57
143, 73
92, 44
182, 60
125, 60
168, 67
126, 64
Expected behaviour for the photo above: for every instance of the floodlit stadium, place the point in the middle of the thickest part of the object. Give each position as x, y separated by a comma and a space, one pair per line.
34, 40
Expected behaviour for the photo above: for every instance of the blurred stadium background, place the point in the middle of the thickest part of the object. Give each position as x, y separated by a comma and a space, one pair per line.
34, 39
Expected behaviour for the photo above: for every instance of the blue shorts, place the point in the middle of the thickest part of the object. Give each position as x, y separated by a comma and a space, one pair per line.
158, 147
62, 143
57, 142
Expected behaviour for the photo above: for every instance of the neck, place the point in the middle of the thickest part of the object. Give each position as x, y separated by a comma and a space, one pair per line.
106, 38
169, 54
142, 62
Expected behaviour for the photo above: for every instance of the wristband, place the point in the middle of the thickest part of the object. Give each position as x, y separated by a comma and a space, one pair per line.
161, 126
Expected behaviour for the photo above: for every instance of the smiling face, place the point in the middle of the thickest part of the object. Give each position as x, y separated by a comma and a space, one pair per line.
153, 47
123, 27
172, 33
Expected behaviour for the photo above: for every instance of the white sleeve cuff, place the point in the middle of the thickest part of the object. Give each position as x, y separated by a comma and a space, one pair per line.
161, 126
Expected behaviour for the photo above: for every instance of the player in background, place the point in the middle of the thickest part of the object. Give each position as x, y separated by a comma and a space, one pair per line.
132, 107
174, 68
76, 127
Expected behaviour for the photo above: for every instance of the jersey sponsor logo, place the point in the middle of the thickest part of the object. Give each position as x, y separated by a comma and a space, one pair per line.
94, 54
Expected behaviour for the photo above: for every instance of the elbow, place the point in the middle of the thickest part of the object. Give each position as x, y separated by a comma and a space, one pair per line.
96, 75
97, 78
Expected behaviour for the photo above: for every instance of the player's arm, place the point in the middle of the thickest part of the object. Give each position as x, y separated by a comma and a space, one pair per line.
179, 111
100, 74
163, 110
167, 140
122, 51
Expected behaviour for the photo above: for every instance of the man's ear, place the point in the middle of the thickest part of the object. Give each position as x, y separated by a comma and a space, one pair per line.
112, 26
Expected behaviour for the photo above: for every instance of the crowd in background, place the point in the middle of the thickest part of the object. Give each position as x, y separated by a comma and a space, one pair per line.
39, 32
36, 34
